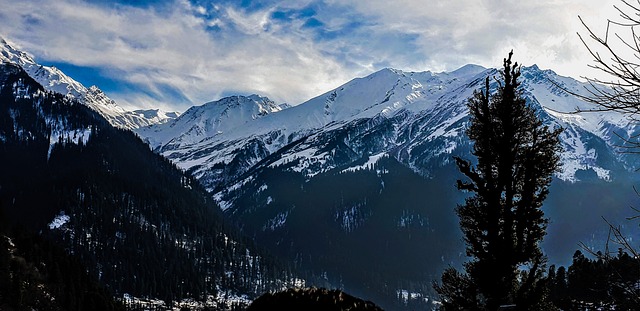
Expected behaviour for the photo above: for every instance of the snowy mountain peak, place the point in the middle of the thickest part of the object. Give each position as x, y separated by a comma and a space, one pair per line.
388, 70
10, 54
157, 113
53, 79
387, 92
210, 120
236, 108
534, 73
382, 74
417, 117
253, 104
469, 69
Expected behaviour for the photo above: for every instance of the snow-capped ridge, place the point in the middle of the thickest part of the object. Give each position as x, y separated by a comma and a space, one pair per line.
51, 78
424, 114
54, 80
210, 120
253, 104
159, 115
384, 95
468, 69
424, 106
10, 54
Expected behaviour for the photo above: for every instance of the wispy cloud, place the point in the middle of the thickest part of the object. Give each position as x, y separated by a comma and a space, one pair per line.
182, 53
447, 34
174, 51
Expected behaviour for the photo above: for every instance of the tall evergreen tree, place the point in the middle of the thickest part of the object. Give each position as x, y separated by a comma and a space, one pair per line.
502, 220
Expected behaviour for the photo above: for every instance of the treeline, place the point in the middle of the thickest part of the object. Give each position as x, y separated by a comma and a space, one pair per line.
36, 274
503, 223
602, 283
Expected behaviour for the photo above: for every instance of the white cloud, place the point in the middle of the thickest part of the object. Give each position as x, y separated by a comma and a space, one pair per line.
453, 33
171, 49
183, 54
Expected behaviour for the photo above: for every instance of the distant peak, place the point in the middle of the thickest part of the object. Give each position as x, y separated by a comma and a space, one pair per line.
257, 97
535, 68
469, 69
241, 99
396, 71
388, 70
534, 71
385, 73
241, 103
6, 43
11, 54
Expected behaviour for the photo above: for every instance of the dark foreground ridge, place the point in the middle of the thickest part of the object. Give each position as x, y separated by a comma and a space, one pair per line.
311, 299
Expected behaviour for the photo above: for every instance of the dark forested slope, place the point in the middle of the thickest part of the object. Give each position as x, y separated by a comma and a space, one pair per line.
140, 225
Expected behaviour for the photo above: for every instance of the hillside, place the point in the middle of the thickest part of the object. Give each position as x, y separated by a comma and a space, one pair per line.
358, 183
141, 227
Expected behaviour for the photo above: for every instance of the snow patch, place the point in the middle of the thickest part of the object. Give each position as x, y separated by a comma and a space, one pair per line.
370, 163
576, 156
309, 161
219, 197
406, 295
222, 301
276, 222
59, 221
224, 205
59, 135
441, 130
351, 218
408, 219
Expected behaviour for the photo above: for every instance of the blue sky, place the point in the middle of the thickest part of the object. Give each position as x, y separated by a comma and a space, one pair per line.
177, 53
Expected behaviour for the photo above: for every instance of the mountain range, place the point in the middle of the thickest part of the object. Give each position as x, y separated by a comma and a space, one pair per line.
425, 109
357, 184
126, 218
